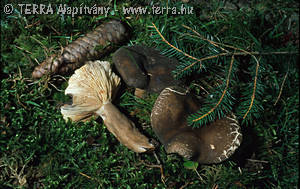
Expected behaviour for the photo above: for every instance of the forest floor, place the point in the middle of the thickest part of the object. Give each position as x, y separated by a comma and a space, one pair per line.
39, 149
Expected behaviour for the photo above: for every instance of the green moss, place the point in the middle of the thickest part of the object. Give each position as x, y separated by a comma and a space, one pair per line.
39, 147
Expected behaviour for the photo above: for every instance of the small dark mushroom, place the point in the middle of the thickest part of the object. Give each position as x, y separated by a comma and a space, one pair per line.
212, 143
145, 68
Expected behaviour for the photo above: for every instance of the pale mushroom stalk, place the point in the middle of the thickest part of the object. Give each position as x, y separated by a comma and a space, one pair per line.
93, 87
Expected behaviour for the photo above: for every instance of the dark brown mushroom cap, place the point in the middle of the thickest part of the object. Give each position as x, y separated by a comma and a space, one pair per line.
212, 143
130, 66
145, 68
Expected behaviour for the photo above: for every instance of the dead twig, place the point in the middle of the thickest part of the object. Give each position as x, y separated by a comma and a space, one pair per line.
159, 165
185, 185
281, 88
89, 177
23, 49
85, 175
30, 25
39, 42
257, 161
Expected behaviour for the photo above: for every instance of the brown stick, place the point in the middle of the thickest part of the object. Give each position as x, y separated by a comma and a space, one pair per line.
281, 88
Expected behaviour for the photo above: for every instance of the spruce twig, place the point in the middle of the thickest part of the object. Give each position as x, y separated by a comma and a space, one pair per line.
216, 44
179, 50
201, 37
238, 52
223, 94
254, 88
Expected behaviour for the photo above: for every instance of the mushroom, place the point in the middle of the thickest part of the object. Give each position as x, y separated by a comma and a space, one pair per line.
145, 68
212, 143
92, 88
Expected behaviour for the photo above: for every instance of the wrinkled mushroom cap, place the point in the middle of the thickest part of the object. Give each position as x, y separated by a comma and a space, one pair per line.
91, 86
212, 143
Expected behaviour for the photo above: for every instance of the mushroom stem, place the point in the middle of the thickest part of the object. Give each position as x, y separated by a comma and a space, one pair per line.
123, 129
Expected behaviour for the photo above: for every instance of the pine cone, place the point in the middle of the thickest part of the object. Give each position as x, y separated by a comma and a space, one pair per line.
92, 46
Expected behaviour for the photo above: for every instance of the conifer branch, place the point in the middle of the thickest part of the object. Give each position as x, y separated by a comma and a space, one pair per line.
223, 94
237, 52
216, 44
201, 37
200, 60
254, 87
168, 43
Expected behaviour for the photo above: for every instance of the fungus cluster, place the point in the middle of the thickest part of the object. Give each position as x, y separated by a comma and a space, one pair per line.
145, 69
94, 86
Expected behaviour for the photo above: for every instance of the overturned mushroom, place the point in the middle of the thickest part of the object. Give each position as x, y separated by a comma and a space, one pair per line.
212, 143
145, 68
93, 87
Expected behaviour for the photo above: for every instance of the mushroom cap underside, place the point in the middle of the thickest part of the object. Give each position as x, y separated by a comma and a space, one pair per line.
90, 86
